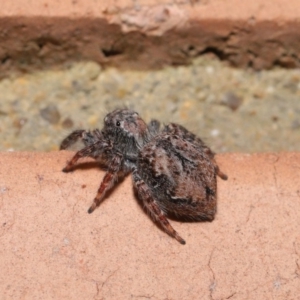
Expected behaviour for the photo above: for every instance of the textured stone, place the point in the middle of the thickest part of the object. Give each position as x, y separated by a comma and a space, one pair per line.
51, 248
149, 33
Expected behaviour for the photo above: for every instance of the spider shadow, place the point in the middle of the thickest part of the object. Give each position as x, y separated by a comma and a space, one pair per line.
87, 165
169, 216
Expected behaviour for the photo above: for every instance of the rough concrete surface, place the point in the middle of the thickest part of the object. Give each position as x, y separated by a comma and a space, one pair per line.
148, 34
232, 110
51, 248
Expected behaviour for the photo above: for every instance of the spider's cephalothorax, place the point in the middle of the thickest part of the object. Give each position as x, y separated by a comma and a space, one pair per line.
174, 172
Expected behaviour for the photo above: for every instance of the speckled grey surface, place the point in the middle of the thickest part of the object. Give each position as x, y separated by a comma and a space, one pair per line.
231, 109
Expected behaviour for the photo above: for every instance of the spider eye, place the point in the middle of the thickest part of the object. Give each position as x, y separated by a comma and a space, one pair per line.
118, 123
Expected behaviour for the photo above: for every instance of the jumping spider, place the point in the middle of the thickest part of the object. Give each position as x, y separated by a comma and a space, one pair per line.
173, 171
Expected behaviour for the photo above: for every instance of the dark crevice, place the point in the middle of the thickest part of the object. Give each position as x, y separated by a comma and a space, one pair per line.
250, 64
5, 59
214, 50
287, 61
111, 52
41, 42
190, 51
252, 56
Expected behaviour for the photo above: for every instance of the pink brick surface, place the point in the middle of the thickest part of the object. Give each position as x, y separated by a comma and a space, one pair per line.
51, 248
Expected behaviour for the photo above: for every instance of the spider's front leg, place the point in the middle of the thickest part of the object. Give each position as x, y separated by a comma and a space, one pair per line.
108, 181
87, 137
88, 151
153, 208
72, 138
113, 169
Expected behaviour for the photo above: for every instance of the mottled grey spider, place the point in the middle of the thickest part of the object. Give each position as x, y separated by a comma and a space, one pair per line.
173, 171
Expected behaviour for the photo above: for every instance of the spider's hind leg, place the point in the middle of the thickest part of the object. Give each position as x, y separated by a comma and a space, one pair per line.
221, 174
153, 208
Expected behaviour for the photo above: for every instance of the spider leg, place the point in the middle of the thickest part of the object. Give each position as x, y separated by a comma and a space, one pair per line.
220, 173
153, 208
85, 152
88, 138
153, 127
72, 138
108, 181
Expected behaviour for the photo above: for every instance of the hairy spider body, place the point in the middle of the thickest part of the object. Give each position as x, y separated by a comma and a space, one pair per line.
173, 171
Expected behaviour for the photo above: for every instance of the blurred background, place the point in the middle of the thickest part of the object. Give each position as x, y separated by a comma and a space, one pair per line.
229, 71
233, 110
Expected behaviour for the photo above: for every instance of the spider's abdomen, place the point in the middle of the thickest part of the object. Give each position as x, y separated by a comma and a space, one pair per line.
181, 176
